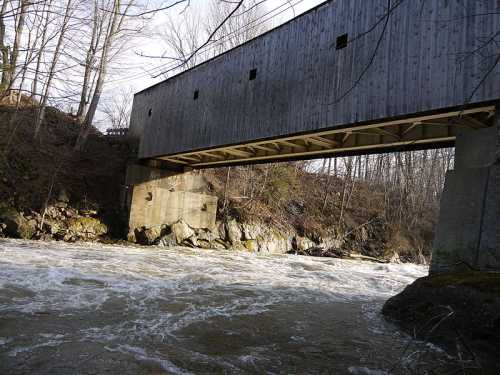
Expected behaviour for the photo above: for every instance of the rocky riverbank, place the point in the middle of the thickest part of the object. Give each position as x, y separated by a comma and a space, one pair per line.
458, 311
58, 221
255, 237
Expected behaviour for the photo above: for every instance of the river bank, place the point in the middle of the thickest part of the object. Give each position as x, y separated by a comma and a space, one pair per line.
49, 191
90, 308
458, 311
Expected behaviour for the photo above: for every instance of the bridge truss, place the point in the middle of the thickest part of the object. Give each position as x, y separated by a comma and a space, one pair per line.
427, 131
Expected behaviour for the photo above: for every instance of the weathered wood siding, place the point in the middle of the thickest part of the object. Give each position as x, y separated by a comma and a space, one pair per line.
422, 65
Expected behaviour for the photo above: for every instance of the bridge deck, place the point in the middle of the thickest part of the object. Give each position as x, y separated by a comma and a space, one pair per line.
436, 130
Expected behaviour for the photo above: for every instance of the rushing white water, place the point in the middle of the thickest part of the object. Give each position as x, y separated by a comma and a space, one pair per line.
112, 309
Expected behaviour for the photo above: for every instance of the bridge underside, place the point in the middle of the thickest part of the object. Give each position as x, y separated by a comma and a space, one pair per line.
426, 131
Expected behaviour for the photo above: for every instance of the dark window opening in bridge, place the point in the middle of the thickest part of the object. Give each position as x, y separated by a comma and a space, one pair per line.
342, 41
150, 112
253, 74
196, 94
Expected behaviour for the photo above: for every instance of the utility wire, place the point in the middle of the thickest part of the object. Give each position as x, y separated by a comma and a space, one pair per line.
153, 72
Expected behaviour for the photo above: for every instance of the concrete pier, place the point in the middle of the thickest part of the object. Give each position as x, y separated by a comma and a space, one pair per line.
161, 197
468, 233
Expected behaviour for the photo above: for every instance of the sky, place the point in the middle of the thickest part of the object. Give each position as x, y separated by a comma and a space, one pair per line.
138, 72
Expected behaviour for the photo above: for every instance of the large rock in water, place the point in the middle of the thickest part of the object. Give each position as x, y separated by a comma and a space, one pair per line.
460, 311
16, 225
182, 231
148, 236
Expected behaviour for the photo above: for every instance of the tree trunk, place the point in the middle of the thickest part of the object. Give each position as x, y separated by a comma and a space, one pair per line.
89, 61
10, 72
43, 41
4, 49
43, 103
112, 30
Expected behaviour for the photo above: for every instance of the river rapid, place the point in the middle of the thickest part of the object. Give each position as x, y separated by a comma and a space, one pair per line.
97, 309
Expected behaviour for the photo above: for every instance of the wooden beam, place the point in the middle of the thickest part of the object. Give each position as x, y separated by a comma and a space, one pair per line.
172, 160
191, 158
383, 131
212, 155
323, 142
327, 140
293, 145
346, 137
264, 148
235, 152
330, 151
411, 127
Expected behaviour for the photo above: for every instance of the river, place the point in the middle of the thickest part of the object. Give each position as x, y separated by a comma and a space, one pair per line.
98, 309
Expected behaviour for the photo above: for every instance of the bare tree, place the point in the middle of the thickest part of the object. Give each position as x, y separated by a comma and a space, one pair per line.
182, 35
10, 56
236, 30
50, 75
117, 109
118, 12
90, 59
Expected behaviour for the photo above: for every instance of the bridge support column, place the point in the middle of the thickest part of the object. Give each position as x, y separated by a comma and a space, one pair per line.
468, 233
157, 197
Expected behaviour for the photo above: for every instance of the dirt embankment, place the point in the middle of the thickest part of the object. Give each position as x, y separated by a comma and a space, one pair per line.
48, 190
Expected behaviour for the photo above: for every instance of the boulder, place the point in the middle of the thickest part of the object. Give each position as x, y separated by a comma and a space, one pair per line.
86, 228
204, 238
251, 245
274, 242
395, 258
148, 236
182, 231
233, 231
303, 243
221, 230
331, 242
88, 212
251, 231
51, 227
219, 244
167, 240
2, 230
453, 309
16, 225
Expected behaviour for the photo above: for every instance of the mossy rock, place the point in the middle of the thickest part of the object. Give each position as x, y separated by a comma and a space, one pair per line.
87, 227
17, 225
251, 245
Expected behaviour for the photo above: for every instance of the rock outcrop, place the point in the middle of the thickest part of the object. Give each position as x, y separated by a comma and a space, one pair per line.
460, 311
231, 234
59, 221
15, 224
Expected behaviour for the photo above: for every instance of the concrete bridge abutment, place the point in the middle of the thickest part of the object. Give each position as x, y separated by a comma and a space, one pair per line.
157, 197
468, 232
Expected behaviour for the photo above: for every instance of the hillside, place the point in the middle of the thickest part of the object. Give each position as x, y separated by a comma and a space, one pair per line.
36, 174
335, 215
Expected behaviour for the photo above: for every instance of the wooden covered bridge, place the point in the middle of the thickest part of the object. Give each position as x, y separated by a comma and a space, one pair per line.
348, 77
